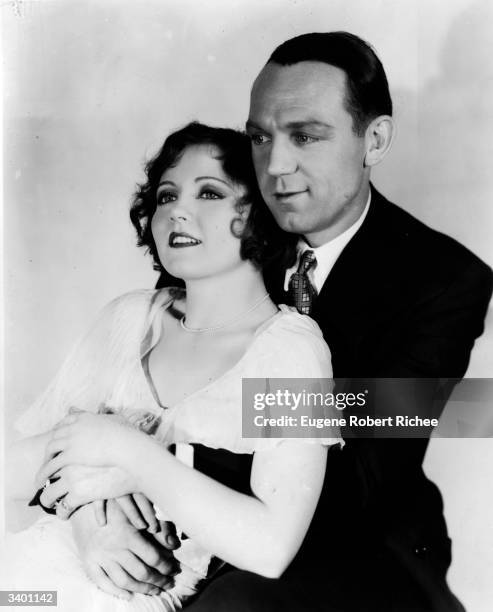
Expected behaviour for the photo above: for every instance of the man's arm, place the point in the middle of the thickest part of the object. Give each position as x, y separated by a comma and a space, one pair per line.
441, 334
431, 355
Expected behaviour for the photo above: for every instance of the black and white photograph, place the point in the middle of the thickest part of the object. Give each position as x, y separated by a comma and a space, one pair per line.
213, 214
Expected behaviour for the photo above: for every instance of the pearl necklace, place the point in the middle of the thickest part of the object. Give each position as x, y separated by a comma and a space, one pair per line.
199, 330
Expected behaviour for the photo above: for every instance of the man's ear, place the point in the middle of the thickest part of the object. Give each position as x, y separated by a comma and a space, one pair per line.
378, 136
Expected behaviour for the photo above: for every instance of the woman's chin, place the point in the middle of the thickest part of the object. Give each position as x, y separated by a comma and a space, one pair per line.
202, 269
179, 267
184, 272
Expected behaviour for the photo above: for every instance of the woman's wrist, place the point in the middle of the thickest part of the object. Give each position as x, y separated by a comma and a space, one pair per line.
135, 455
150, 453
125, 446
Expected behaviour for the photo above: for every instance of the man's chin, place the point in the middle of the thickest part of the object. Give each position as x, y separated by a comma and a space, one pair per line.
292, 223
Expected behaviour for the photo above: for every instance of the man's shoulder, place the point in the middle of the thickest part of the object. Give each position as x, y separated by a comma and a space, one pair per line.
423, 247
401, 227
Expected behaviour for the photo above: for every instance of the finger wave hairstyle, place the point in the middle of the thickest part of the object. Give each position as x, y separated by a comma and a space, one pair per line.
261, 240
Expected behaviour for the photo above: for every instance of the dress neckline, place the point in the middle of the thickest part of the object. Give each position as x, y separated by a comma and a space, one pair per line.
155, 328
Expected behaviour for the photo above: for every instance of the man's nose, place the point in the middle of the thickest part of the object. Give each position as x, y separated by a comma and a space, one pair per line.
281, 160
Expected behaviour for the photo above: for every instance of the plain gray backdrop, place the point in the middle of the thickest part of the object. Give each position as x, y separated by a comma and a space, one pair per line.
91, 88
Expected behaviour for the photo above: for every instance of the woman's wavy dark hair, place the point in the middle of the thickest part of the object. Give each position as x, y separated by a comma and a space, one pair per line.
261, 240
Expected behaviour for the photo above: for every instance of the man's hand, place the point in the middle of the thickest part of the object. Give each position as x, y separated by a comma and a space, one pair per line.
120, 559
139, 511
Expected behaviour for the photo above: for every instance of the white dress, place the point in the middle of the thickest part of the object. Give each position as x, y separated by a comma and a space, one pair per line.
105, 370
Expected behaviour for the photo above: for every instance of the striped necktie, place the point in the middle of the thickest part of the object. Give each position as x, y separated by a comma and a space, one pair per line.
301, 291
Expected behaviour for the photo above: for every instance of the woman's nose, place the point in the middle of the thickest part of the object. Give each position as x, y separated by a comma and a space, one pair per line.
179, 210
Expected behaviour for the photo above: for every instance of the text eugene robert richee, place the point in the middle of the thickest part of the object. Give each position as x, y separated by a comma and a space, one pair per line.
339, 401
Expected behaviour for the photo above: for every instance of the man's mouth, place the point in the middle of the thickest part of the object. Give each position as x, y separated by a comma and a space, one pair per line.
180, 240
286, 195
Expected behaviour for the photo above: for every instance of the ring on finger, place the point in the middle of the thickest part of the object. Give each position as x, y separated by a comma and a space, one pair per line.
61, 503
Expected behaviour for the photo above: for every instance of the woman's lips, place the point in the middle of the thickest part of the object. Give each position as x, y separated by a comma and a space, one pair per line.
180, 240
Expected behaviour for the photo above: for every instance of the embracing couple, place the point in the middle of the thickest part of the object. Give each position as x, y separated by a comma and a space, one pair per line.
278, 259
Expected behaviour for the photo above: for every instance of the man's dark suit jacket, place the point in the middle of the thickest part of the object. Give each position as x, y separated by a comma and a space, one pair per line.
401, 301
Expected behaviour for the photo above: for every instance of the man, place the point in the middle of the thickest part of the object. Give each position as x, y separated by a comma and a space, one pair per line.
393, 299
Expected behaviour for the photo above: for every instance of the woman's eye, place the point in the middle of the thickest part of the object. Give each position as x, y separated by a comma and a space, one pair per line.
208, 194
164, 197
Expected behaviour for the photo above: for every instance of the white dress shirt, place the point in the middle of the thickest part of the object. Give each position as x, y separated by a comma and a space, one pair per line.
327, 254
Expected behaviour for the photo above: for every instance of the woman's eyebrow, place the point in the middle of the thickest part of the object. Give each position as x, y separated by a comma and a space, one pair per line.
166, 183
214, 178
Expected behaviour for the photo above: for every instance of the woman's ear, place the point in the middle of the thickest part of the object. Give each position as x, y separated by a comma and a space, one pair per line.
378, 139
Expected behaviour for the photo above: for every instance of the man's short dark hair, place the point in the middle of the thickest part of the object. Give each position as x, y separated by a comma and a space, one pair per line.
367, 89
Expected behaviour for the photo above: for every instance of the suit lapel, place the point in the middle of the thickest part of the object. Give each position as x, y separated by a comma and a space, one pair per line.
362, 291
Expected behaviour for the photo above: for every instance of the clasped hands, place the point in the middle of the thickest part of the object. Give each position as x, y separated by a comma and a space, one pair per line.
87, 458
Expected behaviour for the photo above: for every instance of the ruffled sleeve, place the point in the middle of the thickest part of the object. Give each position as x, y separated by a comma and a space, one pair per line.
94, 366
294, 350
293, 347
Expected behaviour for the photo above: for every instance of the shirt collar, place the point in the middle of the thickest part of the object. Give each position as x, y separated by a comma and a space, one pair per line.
328, 253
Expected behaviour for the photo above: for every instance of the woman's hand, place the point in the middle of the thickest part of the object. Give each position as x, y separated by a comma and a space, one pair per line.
89, 439
77, 485
87, 454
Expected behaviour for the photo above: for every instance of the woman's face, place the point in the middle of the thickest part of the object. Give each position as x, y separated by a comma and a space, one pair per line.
192, 223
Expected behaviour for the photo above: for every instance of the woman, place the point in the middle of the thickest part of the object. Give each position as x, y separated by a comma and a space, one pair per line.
170, 364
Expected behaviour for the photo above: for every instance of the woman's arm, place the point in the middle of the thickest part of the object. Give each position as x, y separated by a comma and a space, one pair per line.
259, 534
23, 459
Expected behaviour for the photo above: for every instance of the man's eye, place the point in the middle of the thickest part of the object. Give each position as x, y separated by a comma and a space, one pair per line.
304, 139
208, 194
258, 139
164, 197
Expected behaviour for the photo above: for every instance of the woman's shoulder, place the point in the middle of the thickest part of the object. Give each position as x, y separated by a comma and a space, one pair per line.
131, 312
291, 344
289, 324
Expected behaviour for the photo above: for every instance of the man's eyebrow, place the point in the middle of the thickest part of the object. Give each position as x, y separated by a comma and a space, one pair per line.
295, 125
250, 125
306, 123
214, 178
